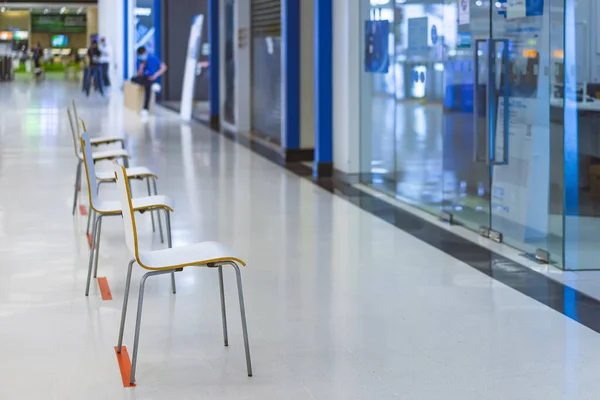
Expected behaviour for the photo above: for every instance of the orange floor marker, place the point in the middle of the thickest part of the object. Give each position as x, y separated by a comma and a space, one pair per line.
82, 210
89, 238
104, 289
124, 366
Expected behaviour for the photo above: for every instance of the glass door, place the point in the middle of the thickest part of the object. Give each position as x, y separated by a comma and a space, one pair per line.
467, 119
497, 142
520, 139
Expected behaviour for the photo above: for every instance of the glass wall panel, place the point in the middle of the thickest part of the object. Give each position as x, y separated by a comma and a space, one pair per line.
557, 97
462, 112
266, 87
230, 31
402, 83
266, 69
581, 140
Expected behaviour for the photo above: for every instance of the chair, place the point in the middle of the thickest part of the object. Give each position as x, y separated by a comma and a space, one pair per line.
205, 254
99, 140
139, 173
102, 208
108, 155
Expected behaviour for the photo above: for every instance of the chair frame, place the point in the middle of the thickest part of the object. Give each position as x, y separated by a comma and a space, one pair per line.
154, 272
147, 178
97, 216
96, 141
76, 139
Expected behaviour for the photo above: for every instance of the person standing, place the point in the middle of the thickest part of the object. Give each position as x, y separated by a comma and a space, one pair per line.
105, 60
150, 69
95, 70
37, 55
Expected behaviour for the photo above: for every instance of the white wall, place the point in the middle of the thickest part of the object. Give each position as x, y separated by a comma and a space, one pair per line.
346, 85
110, 25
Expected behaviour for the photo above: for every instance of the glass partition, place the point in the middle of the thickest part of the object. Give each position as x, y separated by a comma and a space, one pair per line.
581, 73
462, 113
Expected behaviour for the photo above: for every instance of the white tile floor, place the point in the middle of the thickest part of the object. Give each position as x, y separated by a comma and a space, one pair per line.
340, 304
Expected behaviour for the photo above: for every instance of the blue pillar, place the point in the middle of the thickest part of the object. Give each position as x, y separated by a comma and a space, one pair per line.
157, 14
290, 46
213, 38
126, 40
323, 165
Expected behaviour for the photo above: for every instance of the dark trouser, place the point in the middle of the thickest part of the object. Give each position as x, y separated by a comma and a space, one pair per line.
93, 72
147, 84
105, 74
38, 66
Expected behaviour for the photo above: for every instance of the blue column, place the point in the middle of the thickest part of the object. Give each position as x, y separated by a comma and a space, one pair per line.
126, 40
213, 38
323, 88
157, 14
290, 46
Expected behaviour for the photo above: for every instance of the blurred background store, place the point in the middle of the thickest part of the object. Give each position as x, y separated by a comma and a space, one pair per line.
63, 32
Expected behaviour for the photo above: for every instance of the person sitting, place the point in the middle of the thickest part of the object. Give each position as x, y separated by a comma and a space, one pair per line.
150, 69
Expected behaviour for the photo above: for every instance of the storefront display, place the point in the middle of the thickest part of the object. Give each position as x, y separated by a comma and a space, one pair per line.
266, 69
459, 125
144, 25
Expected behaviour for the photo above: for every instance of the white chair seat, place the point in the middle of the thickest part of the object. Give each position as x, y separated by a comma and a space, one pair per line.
139, 204
107, 154
185, 256
132, 173
106, 140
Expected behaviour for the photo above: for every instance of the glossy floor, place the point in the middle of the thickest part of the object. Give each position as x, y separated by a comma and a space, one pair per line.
340, 304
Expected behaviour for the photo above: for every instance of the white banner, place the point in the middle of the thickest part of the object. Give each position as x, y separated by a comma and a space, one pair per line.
464, 12
516, 9
189, 77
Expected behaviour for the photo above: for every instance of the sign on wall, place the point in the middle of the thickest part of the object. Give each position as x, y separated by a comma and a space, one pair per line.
524, 8
464, 12
144, 25
377, 35
59, 23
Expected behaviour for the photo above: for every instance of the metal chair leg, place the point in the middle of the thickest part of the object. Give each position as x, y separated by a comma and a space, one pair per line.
77, 183
223, 312
126, 162
92, 251
170, 244
125, 300
151, 212
243, 316
97, 246
138, 321
89, 218
168, 219
160, 229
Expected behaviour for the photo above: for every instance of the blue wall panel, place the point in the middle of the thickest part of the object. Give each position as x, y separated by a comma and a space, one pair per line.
323, 81
213, 37
290, 27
